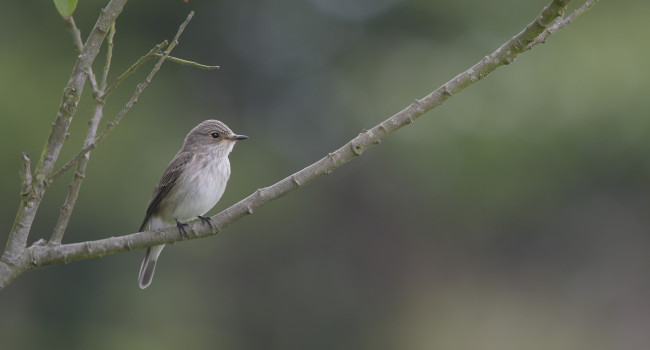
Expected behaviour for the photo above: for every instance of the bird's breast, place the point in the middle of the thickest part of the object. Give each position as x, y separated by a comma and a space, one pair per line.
201, 186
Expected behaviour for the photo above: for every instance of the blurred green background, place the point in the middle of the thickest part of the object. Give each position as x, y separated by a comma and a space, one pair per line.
515, 216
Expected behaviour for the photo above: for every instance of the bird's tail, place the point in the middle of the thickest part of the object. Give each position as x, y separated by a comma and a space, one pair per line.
149, 265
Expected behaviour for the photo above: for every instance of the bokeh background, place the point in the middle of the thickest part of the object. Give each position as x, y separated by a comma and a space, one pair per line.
515, 216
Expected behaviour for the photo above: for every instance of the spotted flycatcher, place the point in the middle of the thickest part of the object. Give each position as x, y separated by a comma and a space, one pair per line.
192, 184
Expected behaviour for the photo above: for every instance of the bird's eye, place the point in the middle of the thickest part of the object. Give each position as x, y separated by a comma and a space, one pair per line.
215, 135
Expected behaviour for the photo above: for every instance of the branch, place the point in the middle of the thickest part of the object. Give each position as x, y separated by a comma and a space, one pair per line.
560, 23
135, 66
155, 52
187, 63
40, 255
152, 53
26, 176
87, 148
98, 92
72, 94
79, 45
91, 141
109, 56
79, 175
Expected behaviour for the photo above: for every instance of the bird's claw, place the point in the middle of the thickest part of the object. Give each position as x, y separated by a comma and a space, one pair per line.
206, 220
181, 229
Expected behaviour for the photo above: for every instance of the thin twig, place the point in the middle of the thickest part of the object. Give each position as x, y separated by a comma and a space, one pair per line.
187, 62
155, 52
79, 45
74, 160
109, 57
135, 66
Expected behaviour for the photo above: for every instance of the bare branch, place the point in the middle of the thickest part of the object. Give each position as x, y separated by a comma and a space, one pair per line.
93, 124
109, 57
26, 175
560, 23
188, 63
134, 98
79, 175
79, 45
39, 255
72, 94
155, 52
110, 126
138, 63
87, 148
146, 82
73, 191
74, 160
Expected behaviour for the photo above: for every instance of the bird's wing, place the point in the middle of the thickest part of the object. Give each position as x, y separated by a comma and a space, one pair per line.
166, 184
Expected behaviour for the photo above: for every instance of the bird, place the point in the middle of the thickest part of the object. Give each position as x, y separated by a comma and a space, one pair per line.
192, 183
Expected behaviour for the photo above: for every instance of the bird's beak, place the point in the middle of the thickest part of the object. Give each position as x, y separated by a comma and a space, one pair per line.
238, 137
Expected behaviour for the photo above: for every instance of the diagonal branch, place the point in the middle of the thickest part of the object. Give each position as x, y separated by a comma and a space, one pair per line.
135, 66
560, 23
155, 52
188, 63
41, 255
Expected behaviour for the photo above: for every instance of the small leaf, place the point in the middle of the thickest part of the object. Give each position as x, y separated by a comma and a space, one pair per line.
65, 7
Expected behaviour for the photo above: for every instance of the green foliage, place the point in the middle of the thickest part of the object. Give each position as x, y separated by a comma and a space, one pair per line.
65, 7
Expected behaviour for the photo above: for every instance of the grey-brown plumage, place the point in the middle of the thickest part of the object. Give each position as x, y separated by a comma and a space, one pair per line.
191, 185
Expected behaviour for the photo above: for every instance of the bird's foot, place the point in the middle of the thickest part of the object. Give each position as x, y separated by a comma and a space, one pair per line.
206, 220
181, 228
